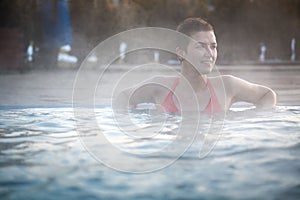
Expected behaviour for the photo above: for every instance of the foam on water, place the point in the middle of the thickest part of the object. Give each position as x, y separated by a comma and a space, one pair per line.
256, 157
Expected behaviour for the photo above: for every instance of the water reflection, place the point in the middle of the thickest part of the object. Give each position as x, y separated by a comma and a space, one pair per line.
41, 156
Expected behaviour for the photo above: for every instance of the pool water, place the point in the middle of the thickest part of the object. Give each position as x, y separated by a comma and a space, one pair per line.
42, 156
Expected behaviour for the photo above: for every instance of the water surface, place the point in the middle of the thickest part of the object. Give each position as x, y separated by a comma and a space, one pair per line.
42, 157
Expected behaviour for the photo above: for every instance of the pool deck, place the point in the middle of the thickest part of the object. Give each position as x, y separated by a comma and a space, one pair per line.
54, 87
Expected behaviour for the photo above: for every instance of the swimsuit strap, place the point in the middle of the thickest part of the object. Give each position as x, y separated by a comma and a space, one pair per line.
168, 104
213, 105
174, 84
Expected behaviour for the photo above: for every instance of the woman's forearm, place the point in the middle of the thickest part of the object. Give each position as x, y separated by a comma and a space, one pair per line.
267, 101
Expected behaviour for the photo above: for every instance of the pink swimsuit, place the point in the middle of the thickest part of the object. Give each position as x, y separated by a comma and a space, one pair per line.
212, 107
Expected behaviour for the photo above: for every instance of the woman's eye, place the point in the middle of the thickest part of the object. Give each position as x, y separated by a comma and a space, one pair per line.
200, 46
206, 46
213, 46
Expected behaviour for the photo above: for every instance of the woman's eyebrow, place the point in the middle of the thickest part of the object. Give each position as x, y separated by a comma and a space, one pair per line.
214, 43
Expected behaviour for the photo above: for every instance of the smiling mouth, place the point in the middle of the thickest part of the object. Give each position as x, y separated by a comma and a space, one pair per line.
207, 61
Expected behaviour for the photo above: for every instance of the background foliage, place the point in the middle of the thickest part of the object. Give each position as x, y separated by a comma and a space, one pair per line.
241, 25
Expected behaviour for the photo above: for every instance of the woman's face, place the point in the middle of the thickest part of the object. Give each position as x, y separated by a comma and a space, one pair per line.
202, 51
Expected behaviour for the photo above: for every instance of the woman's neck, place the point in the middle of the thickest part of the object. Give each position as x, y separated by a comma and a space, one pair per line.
197, 80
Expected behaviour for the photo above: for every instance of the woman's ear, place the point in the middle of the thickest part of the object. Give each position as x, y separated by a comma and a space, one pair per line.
180, 53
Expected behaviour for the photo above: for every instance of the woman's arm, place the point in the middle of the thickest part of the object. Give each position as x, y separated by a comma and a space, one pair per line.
267, 101
129, 98
241, 90
145, 92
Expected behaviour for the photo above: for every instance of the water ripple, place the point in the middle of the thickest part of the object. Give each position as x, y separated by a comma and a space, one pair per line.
41, 152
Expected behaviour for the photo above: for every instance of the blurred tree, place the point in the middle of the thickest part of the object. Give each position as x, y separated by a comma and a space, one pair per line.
241, 25
21, 15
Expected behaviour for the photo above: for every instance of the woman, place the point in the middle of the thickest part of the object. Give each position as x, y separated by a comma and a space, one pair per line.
193, 88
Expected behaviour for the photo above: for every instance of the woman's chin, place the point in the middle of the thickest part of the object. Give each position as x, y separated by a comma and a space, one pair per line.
206, 68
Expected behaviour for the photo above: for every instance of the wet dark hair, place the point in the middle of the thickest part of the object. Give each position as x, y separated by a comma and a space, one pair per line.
191, 25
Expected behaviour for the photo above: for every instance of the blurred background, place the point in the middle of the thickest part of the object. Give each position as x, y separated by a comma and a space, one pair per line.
248, 31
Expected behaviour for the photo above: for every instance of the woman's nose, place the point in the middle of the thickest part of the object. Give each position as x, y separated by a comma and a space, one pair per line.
210, 51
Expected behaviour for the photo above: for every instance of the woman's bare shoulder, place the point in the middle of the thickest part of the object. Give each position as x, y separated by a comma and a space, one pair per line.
222, 78
224, 81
